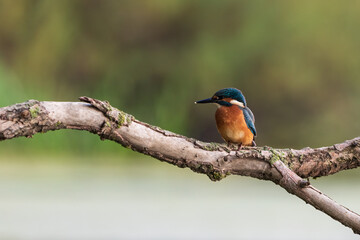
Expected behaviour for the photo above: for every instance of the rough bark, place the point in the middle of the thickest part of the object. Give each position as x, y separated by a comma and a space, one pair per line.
215, 160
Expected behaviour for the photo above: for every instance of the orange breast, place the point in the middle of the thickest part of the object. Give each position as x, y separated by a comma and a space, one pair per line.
231, 125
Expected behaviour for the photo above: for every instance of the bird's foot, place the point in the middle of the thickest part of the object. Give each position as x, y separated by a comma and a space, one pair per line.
239, 147
234, 146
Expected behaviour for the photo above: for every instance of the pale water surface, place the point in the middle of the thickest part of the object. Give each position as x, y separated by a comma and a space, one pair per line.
53, 200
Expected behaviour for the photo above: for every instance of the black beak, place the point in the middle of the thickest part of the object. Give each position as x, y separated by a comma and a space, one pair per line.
208, 100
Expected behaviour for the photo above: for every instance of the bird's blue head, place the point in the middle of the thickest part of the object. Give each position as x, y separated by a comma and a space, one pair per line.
226, 97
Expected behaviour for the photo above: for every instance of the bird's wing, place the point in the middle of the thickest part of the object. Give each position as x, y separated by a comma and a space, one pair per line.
249, 119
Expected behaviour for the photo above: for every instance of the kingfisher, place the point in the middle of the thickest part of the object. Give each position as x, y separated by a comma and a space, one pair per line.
234, 120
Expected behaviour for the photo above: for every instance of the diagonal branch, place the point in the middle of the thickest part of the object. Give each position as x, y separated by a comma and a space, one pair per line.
215, 160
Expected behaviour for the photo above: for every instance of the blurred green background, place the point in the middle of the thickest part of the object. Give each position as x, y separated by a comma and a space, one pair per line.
297, 63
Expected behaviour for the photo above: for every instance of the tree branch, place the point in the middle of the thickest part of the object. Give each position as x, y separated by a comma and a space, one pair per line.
215, 160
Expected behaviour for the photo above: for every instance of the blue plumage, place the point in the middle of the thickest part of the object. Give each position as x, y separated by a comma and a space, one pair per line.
231, 93
249, 119
234, 120
236, 94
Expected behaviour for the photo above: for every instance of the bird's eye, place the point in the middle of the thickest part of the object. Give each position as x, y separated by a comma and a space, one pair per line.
215, 98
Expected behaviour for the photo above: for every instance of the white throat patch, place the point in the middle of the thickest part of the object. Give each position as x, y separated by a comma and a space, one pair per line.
235, 102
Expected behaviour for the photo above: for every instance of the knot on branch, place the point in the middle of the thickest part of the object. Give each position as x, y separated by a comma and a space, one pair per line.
119, 117
208, 168
23, 119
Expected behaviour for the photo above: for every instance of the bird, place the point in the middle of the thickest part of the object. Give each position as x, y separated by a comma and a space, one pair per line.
234, 120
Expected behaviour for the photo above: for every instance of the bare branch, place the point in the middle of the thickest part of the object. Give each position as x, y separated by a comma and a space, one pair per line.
215, 160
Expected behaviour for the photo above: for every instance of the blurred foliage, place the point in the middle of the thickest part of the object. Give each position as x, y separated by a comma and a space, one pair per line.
296, 62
